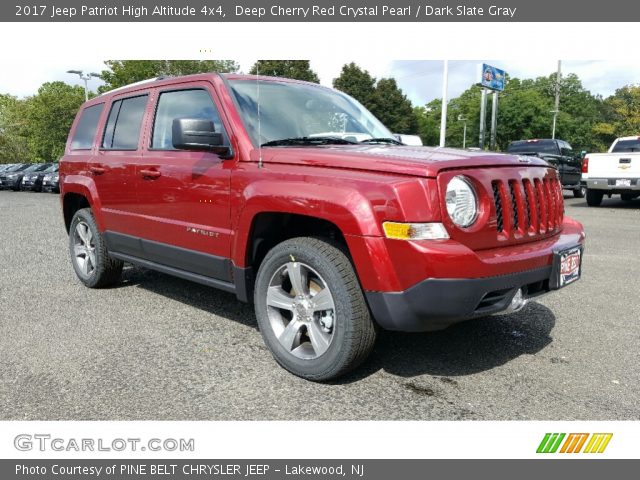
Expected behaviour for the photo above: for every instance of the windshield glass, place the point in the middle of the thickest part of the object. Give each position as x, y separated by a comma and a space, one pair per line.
52, 168
17, 168
632, 145
294, 110
540, 146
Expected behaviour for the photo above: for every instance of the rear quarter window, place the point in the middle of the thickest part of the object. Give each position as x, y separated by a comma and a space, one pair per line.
86, 130
124, 123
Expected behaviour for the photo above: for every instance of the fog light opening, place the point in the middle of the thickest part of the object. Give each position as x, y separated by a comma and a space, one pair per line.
518, 302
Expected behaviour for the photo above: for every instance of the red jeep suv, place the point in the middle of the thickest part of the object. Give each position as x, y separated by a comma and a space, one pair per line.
296, 198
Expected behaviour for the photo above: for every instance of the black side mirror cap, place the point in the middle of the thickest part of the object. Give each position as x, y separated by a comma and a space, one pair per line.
198, 134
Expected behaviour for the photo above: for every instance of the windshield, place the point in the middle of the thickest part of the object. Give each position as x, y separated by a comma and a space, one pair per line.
538, 146
38, 167
17, 168
52, 168
296, 110
632, 145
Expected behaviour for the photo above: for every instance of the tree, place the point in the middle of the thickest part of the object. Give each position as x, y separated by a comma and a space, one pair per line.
357, 83
393, 108
13, 143
621, 116
296, 69
124, 72
48, 118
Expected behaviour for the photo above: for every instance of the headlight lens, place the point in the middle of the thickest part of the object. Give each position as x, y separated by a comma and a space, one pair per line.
415, 231
461, 200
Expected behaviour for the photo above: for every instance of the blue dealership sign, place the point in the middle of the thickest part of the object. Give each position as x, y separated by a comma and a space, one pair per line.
493, 77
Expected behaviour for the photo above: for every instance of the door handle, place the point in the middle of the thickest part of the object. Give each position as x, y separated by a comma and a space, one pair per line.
97, 170
150, 174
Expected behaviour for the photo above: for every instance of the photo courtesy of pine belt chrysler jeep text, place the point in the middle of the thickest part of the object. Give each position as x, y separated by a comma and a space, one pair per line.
295, 198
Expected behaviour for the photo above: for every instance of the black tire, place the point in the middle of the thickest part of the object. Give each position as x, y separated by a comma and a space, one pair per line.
106, 271
354, 332
580, 192
594, 198
627, 197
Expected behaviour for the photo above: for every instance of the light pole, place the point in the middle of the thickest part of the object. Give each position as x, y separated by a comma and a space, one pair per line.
462, 118
86, 77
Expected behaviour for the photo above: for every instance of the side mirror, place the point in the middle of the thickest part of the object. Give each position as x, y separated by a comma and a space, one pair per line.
198, 134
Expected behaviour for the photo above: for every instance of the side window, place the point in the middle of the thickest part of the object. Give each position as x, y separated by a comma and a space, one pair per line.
182, 104
86, 129
124, 123
565, 149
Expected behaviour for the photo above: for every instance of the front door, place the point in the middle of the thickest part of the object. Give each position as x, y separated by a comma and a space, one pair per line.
183, 196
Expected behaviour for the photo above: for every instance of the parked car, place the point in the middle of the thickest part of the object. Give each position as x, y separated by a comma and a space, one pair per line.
12, 176
616, 172
559, 154
51, 182
251, 185
32, 180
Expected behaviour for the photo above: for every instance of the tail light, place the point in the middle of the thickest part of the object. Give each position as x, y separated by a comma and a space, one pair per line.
585, 165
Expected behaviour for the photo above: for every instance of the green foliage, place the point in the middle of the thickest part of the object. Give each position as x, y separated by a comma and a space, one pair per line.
525, 110
124, 72
13, 143
383, 98
48, 119
35, 129
622, 116
357, 83
296, 69
393, 108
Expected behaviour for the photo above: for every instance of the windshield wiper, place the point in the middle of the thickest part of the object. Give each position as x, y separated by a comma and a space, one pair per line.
389, 140
308, 141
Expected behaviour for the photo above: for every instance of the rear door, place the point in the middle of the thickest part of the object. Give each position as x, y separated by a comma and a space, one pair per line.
113, 168
184, 196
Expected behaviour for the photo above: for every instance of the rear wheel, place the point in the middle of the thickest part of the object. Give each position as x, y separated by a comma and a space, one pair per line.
580, 192
311, 310
89, 256
627, 197
594, 198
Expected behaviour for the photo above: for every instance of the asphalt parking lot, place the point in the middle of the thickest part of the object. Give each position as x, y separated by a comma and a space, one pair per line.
160, 348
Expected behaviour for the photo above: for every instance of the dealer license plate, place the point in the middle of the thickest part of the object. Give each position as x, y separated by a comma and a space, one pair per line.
569, 266
623, 182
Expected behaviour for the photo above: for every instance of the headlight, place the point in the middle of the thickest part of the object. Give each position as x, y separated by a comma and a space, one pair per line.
461, 200
415, 231
55, 178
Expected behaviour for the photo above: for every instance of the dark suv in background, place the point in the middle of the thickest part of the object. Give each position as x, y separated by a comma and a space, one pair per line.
559, 154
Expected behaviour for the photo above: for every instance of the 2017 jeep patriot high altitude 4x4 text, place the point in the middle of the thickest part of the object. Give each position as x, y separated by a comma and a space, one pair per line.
293, 196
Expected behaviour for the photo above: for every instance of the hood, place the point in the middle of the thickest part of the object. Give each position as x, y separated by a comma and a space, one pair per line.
400, 160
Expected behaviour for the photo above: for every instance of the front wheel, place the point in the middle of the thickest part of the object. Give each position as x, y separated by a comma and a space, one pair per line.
594, 198
311, 310
89, 256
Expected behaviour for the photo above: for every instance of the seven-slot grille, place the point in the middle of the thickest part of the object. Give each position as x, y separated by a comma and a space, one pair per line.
527, 206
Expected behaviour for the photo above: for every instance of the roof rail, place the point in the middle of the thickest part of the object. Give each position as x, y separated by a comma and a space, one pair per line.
135, 84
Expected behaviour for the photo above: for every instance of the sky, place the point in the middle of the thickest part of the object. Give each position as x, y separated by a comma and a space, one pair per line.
420, 80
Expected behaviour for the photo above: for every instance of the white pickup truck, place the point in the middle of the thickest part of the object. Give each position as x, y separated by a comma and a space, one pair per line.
614, 173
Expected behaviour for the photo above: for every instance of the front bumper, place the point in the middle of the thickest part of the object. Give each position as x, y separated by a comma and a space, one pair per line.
610, 184
463, 284
436, 303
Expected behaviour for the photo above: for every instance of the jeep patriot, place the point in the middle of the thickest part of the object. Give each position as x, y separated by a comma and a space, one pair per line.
297, 199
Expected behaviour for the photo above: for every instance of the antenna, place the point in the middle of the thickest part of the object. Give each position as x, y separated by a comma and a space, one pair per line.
259, 124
